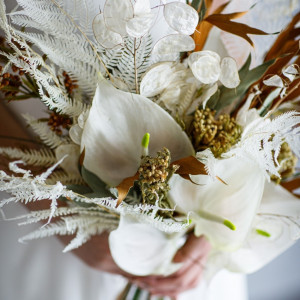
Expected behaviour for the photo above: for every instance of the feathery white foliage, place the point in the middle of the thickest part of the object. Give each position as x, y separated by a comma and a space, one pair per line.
132, 63
261, 140
49, 137
42, 157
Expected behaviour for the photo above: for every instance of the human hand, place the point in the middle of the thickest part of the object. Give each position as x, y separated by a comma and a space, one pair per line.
192, 256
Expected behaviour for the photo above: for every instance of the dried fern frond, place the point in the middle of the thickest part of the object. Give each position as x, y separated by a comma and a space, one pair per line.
42, 157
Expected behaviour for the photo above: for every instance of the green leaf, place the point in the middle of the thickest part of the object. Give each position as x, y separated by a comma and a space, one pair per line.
96, 184
247, 77
200, 7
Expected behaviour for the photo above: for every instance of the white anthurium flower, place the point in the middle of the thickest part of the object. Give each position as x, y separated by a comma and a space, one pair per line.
208, 68
275, 229
71, 154
212, 203
114, 130
141, 249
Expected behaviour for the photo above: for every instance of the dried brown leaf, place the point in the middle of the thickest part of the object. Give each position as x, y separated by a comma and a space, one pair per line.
124, 187
189, 166
289, 34
223, 21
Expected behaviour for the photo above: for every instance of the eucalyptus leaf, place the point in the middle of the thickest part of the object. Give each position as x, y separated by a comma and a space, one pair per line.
96, 184
247, 77
82, 190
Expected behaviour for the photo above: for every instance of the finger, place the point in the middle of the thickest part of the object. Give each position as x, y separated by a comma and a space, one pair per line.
193, 248
176, 285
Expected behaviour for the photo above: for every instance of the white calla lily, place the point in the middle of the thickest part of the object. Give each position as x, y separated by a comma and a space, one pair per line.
115, 127
277, 217
141, 249
237, 201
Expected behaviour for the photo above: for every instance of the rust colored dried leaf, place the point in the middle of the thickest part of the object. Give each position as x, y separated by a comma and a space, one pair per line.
81, 157
190, 166
202, 30
289, 34
242, 30
124, 187
292, 185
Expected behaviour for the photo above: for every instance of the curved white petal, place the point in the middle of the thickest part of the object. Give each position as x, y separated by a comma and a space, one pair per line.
237, 201
181, 17
156, 79
260, 250
290, 71
205, 66
173, 43
140, 249
105, 37
116, 14
114, 130
140, 25
229, 75
275, 80
70, 163
141, 7
75, 134
207, 53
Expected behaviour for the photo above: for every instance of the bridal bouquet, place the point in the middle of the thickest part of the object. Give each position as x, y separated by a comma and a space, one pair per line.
151, 138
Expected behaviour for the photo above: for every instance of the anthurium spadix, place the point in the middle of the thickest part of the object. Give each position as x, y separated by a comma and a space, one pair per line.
141, 249
212, 203
114, 130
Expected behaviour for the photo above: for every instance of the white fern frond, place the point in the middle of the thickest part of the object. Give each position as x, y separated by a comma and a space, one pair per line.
43, 157
261, 140
58, 228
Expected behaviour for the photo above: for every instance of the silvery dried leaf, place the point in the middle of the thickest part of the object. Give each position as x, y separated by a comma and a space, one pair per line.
140, 25
205, 66
274, 81
105, 37
141, 7
174, 43
181, 17
290, 72
229, 73
116, 14
156, 79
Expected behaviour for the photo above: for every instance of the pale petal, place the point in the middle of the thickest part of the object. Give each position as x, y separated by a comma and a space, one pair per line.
290, 72
196, 55
141, 7
140, 25
181, 17
275, 80
70, 163
105, 37
116, 14
75, 134
140, 249
229, 75
260, 250
207, 92
114, 130
173, 43
205, 66
237, 201
156, 79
